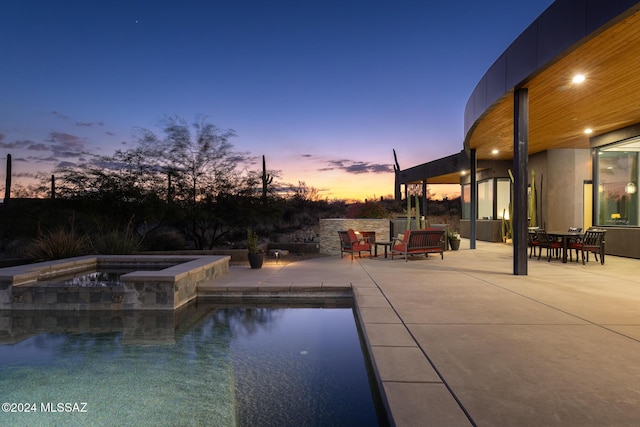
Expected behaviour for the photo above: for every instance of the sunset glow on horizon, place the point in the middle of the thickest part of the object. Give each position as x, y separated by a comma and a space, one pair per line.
317, 88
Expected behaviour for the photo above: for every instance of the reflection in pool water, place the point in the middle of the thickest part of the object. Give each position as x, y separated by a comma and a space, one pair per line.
223, 366
102, 277
88, 279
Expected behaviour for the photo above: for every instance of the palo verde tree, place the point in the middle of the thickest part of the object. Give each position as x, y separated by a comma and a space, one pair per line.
197, 158
186, 177
113, 188
125, 175
202, 170
189, 164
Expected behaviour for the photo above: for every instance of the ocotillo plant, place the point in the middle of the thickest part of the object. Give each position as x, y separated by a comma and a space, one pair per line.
408, 211
420, 221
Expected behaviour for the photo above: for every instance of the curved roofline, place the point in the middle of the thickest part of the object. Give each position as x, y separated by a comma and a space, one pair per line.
559, 29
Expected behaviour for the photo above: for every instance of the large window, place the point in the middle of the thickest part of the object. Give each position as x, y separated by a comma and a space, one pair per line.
503, 197
617, 184
493, 202
466, 201
485, 199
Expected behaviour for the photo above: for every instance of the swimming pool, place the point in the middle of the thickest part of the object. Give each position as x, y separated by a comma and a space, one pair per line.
207, 365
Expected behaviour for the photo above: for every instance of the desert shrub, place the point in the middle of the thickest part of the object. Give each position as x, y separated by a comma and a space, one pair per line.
367, 210
116, 242
58, 243
165, 240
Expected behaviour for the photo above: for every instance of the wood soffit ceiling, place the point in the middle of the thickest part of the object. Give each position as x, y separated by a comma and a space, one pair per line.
560, 111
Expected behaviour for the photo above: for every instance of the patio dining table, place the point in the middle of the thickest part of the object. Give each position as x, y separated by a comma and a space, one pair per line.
565, 237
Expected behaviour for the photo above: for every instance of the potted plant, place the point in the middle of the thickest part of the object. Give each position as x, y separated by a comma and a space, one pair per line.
256, 258
454, 239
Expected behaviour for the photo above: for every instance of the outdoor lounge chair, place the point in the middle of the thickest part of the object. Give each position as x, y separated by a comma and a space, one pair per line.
416, 242
349, 243
593, 241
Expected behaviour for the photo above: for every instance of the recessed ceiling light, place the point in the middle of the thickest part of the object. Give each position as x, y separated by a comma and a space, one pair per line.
494, 151
578, 78
463, 173
588, 131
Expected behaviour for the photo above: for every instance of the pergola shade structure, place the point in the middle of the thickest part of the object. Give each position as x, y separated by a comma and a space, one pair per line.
569, 120
577, 133
568, 39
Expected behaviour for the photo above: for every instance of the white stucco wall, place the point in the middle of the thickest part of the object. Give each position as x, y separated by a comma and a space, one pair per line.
566, 171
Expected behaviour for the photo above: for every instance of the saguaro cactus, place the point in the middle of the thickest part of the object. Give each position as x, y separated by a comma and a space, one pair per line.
533, 205
267, 179
511, 207
396, 174
420, 220
408, 211
7, 185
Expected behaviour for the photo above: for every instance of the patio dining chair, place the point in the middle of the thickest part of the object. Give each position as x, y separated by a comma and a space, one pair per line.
546, 242
572, 240
533, 242
593, 241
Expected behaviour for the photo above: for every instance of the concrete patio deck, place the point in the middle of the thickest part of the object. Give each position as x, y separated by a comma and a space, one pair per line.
462, 341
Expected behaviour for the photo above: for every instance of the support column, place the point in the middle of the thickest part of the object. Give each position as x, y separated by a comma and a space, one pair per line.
520, 168
473, 215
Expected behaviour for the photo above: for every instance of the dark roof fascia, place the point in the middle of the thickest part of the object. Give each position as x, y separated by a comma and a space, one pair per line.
455, 164
444, 166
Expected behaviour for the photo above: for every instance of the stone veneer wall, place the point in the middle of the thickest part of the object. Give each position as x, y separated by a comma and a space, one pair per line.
165, 289
330, 241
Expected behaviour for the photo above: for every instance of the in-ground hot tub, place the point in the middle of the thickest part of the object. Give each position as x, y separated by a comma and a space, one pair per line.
153, 282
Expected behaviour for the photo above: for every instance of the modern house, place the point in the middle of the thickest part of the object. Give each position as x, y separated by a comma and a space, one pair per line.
561, 103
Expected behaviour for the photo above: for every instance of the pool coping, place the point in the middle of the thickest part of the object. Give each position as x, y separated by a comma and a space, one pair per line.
404, 377
366, 298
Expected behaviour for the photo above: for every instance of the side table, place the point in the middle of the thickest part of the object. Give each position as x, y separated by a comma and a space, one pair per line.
385, 243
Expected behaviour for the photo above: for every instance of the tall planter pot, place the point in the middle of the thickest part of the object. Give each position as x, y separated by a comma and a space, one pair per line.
455, 244
255, 260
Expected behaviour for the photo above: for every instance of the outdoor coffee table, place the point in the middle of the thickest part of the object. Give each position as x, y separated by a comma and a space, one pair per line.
385, 243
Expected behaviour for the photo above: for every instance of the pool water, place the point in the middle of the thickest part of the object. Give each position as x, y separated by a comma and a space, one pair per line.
88, 279
226, 366
102, 277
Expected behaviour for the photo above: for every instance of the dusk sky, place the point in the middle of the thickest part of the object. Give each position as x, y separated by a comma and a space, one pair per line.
324, 89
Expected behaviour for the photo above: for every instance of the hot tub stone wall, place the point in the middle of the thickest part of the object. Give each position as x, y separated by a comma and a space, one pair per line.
330, 241
172, 287
165, 289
